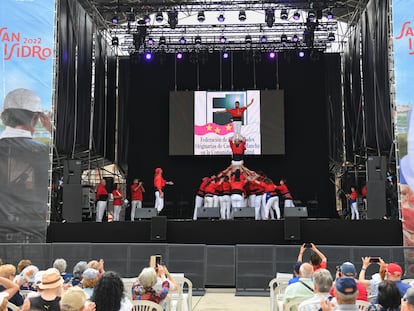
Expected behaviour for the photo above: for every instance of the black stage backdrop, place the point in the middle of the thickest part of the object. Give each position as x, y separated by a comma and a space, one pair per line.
304, 81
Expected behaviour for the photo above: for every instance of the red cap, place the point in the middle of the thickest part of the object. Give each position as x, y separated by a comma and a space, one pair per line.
394, 269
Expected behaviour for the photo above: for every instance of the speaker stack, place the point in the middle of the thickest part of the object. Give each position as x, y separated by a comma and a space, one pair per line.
72, 191
376, 177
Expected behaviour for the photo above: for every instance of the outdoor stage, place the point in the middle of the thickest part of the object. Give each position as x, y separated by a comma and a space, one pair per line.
321, 231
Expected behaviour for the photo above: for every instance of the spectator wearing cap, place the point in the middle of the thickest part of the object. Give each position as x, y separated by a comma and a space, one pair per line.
24, 165
296, 277
346, 293
407, 303
394, 273
303, 289
50, 291
9, 271
89, 279
347, 269
61, 265
322, 283
75, 299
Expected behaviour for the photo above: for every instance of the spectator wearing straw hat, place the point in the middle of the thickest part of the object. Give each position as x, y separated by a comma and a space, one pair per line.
75, 299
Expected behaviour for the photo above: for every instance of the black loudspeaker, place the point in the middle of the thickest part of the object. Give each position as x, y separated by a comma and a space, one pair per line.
376, 168
159, 228
292, 228
376, 202
72, 203
72, 170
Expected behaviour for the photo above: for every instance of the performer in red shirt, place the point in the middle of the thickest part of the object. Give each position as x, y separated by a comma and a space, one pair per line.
224, 188
237, 114
159, 184
237, 148
101, 200
118, 196
285, 193
199, 199
210, 192
237, 182
352, 197
137, 189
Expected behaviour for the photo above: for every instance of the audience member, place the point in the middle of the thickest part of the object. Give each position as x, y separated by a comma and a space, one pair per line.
322, 283
108, 294
28, 274
97, 265
347, 269
3, 300
296, 276
1, 261
89, 280
9, 271
303, 288
78, 270
372, 284
389, 298
75, 299
23, 264
407, 303
317, 259
346, 292
50, 292
9, 288
61, 265
393, 272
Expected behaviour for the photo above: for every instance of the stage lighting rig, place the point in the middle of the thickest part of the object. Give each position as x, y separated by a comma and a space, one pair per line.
201, 17
284, 14
242, 15
221, 18
269, 17
115, 41
172, 18
159, 17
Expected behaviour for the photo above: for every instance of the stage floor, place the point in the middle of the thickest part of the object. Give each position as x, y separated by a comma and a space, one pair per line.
218, 232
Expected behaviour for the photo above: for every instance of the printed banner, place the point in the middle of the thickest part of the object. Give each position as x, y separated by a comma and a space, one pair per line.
403, 17
27, 48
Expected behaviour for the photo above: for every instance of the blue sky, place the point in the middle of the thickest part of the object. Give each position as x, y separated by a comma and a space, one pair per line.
403, 11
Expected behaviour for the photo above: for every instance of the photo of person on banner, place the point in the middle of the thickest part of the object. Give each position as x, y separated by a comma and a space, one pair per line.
24, 165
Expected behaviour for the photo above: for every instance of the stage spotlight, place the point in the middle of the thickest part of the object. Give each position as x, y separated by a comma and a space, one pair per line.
248, 39
221, 18
150, 41
296, 16
329, 15
301, 54
311, 15
225, 54
223, 39
201, 17
269, 17
331, 36
159, 17
172, 19
115, 19
115, 41
263, 39
295, 38
179, 55
284, 14
242, 15
283, 38
147, 19
148, 56
183, 40
197, 40
272, 54
163, 41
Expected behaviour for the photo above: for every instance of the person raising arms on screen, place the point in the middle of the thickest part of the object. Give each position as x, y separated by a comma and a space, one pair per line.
236, 115
159, 184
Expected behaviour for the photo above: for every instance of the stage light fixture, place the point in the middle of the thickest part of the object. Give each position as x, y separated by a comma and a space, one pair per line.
331, 36
248, 39
221, 18
284, 14
197, 40
311, 15
150, 41
301, 54
183, 40
242, 15
283, 38
115, 41
201, 17
223, 39
269, 17
329, 15
263, 39
148, 56
147, 19
115, 19
272, 54
225, 54
159, 17
172, 18
296, 16
179, 55
295, 38
163, 41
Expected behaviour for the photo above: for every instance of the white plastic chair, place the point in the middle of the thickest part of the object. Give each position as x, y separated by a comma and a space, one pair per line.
182, 298
128, 282
277, 289
293, 304
362, 305
146, 305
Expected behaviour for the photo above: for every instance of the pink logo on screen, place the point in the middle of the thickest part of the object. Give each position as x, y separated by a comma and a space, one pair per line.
201, 130
407, 32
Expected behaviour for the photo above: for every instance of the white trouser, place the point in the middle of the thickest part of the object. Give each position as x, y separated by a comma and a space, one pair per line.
258, 207
289, 203
159, 202
117, 211
273, 203
100, 210
198, 203
135, 204
237, 129
225, 206
354, 211
236, 200
208, 201
265, 212
215, 201
252, 199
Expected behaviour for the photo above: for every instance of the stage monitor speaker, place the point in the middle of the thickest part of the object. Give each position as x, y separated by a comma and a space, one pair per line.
208, 212
159, 228
243, 212
145, 213
297, 211
72, 203
376, 168
72, 170
376, 202
292, 228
